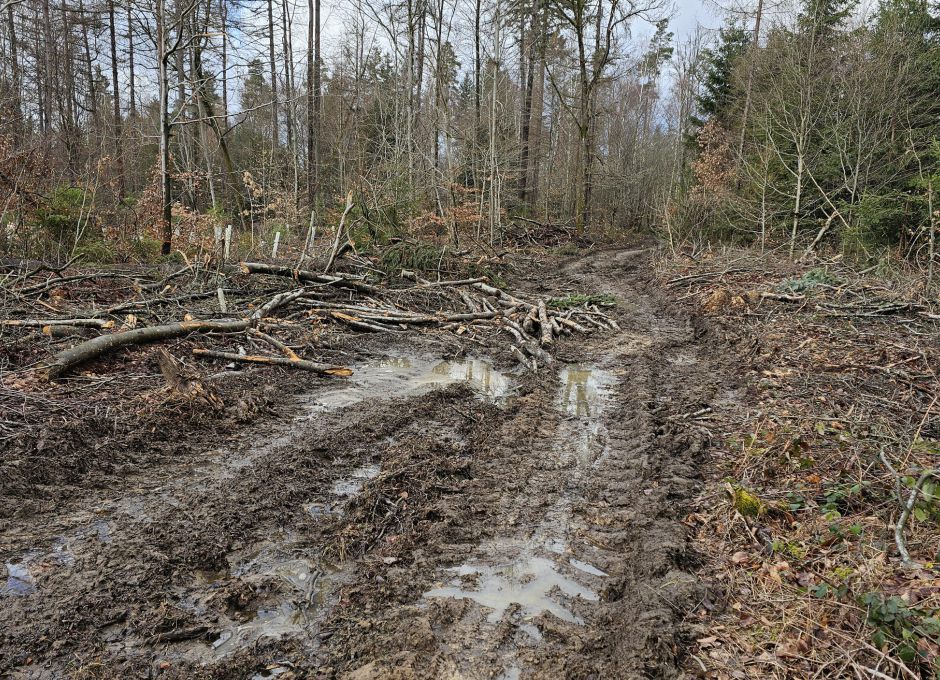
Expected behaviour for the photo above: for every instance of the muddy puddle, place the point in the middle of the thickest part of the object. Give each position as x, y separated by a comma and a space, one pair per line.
302, 585
535, 584
537, 573
392, 377
352, 485
24, 574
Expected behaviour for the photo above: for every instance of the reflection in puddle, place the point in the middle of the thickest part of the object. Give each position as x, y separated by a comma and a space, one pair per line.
404, 377
511, 673
353, 484
536, 571
62, 553
583, 389
528, 582
584, 393
19, 580
586, 568
269, 623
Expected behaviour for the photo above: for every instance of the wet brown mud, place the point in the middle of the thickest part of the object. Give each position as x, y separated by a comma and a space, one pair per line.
436, 516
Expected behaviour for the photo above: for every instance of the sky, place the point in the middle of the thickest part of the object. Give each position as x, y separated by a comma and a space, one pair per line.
690, 13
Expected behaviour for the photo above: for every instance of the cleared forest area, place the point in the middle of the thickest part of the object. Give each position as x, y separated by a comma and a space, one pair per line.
488, 339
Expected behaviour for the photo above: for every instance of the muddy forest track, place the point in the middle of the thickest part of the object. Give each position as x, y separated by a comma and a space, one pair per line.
432, 519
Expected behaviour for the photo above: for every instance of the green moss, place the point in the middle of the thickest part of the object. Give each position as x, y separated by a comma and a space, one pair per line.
748, 504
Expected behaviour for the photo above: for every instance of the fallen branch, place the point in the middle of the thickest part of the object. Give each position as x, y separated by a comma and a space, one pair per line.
544, 325
906, 506
92, 349
275, 343
308, 276
42, 323
304, 364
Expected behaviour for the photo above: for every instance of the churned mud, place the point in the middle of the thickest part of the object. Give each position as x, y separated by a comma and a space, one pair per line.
441, 514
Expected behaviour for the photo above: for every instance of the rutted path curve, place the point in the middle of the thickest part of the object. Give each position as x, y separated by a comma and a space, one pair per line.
433, 519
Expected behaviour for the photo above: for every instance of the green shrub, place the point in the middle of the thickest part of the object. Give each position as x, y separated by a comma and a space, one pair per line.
96, 250
146, 249
416, 255
807, 281
62, 210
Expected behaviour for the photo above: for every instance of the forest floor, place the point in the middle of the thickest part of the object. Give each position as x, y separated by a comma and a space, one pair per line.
446, 513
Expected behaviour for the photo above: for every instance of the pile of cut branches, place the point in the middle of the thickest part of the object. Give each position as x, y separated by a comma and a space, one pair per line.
826, 533
56, 320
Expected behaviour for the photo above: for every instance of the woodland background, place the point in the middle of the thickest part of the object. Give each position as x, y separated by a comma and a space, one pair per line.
134, 126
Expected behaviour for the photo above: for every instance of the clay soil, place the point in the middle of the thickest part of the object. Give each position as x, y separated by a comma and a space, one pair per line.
509, 525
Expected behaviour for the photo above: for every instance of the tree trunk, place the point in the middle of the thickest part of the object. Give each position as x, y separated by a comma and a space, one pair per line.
115, 94
313, 103
15, 69
130, 59
535, 38
750, 77
223, 11
275, 134
164, 95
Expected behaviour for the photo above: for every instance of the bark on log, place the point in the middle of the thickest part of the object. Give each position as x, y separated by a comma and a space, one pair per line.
357, 322
304, 364
103, 344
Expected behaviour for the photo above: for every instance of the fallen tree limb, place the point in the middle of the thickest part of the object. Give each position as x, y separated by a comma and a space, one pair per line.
91, 349
308, 276
62, 331
544, 326
356, 322
277, 344
86, 323
303, 364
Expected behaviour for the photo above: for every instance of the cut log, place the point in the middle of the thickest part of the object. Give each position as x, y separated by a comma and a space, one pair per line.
544, 325
303, 364
572, 325
92, 349
528, 324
